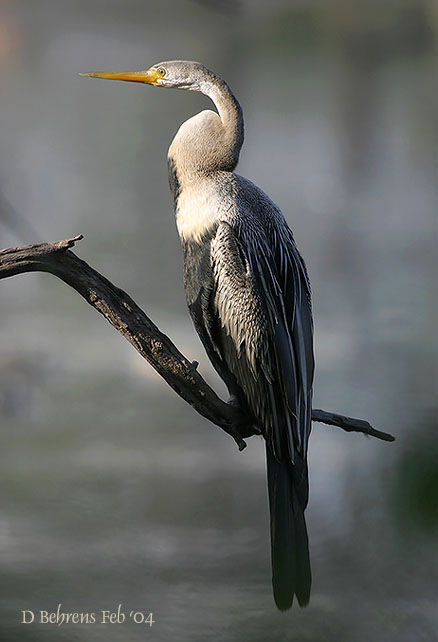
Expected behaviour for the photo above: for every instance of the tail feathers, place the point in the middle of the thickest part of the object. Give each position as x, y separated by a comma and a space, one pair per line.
291, 574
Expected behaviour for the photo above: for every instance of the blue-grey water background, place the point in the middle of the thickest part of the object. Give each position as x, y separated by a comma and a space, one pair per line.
113, 490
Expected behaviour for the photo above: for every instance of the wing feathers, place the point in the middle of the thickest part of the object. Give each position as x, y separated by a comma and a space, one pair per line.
249, 297
262, 302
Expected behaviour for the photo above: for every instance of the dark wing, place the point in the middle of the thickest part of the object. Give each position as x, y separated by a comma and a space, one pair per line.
261, 299
249, 298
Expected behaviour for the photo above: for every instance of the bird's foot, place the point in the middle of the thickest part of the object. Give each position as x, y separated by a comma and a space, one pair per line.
241, 420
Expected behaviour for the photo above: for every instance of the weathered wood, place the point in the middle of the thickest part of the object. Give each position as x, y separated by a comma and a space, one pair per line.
127, 318
349, 424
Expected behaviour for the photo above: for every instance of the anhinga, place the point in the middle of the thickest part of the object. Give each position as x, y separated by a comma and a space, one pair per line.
248, 294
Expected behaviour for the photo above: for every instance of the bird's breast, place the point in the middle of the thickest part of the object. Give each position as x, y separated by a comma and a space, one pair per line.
198, 209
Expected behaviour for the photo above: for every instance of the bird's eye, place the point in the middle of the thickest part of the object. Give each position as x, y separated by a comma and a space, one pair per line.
162, 71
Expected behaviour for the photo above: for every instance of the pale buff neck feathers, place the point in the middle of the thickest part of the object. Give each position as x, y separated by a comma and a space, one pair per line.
206, 143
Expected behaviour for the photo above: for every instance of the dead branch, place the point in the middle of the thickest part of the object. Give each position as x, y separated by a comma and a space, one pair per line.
128, 319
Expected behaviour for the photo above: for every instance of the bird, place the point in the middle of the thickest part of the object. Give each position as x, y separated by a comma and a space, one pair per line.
249, 297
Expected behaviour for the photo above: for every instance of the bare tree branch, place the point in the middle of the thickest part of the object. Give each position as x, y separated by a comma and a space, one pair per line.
128, 319
349, 424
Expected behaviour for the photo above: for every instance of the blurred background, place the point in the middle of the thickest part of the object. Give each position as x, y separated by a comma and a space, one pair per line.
113, 490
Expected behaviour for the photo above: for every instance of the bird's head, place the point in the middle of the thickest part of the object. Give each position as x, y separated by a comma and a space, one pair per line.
182, 74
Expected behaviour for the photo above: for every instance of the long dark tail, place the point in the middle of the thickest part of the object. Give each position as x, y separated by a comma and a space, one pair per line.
288, 492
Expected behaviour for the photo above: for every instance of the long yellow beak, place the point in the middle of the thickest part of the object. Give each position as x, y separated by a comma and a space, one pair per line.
148, 76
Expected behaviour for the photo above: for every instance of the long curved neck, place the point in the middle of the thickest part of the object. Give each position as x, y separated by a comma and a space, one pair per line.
231, 117
209, 141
